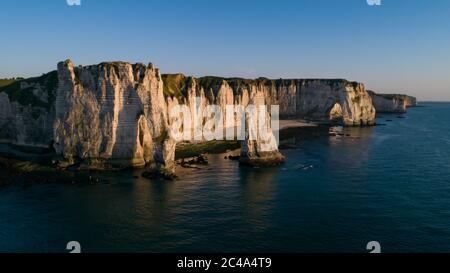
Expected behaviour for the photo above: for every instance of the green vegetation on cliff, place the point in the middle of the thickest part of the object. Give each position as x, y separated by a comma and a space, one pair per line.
174, 84
213, 82
5, 82
393, 96
114, 65
390, 96
25, 96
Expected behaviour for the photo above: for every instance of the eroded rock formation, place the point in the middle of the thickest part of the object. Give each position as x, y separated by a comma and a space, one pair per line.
117, 113
392, 103
113, 113
27, 111
308, 99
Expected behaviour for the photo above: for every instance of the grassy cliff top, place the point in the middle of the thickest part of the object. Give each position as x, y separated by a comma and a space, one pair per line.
393, 96
25, 96
390, 96
174, 84
5, 82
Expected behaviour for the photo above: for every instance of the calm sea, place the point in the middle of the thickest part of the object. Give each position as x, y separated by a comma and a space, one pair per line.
389, 184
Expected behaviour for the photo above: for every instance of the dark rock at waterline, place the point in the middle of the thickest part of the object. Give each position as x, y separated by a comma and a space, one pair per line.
191, 162
268, 159
233, 157
28, 172
190, 166
63, 165
159, 174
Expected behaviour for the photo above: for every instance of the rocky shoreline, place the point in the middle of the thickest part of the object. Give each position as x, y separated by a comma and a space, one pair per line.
14, 171
14, 167
116, 115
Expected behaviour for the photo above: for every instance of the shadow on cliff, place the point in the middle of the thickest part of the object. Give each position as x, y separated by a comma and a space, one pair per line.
127, 140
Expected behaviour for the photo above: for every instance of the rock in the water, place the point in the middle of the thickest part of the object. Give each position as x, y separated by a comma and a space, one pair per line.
201, 160
262, 159
233, 157
160, 174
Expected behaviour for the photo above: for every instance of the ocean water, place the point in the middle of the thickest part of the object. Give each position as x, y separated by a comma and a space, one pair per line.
389, 184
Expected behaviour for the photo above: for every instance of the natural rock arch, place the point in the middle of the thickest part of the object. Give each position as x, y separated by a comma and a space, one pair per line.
336, 113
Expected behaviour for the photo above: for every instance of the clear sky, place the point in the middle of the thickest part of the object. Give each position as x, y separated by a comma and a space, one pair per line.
402, 46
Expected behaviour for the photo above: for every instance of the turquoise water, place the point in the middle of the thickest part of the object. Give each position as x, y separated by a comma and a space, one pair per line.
387, 183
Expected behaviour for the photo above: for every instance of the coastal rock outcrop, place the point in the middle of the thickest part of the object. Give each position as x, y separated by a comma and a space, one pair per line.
410, 101
27, 111
337, 100
118, 114
263, 150
392, 103
111, 113
308, 99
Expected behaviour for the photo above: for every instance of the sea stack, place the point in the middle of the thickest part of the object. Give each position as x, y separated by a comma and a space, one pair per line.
263, 149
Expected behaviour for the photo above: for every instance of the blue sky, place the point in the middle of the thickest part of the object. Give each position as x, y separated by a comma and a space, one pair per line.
401, 46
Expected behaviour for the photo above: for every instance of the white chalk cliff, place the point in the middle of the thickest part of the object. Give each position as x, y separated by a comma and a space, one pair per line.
392, 103
27, 111
111, 113
116, 113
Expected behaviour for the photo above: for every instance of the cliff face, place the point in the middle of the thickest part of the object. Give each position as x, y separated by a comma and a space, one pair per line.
339, 100
392, 103
117, 113
110, 112
410, 101
198, 94
27, 111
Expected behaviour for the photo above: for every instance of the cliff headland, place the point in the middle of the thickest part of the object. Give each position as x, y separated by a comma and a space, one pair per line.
116, 115
392, 103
